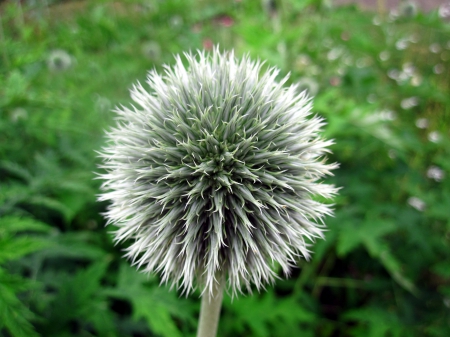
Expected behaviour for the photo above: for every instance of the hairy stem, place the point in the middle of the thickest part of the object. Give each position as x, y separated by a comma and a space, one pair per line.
210, 311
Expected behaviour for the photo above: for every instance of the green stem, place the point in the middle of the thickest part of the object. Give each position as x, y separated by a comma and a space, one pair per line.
210, 311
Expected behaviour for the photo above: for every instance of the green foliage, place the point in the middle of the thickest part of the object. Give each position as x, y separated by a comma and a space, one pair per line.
14, 244
383, 86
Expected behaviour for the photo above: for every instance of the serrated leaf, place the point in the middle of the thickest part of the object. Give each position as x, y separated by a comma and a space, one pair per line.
260, 313
14, 224
14, 315
14, 248
153, 304
79, 298
374, 322
351, 235
52, 204
16, 170
73, 245
381, 252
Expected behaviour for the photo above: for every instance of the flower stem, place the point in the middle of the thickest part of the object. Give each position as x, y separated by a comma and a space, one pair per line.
210, 311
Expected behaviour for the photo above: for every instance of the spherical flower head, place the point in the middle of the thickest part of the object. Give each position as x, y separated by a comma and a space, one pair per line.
59, 60
214, 174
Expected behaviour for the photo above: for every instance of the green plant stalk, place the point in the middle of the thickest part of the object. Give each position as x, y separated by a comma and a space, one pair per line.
210, 311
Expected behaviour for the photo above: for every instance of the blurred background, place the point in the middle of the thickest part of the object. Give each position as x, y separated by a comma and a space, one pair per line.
380, 75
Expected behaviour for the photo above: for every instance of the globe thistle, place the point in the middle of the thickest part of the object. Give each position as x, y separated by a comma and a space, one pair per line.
213, 174
59, 60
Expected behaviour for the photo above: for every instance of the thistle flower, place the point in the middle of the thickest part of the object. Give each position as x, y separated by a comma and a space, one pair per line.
59, 60
213, 174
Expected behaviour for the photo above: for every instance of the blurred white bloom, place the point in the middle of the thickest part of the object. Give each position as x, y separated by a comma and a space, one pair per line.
422, 123
151, 50
414, 38
59, 60
416, 80
334, 54
384, 55
393, 15
394, 74
402, 44
348, 60
435, 173
302, 62
18, 114
176, 21
409, 103
387, 115
417, 203
434, 136
438, 69
310, 85
435, 48
444, 10
376, 21
446, 301
408, 9
102, 104
409, 69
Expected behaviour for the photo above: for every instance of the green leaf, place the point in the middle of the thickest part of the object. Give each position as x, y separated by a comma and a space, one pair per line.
369, 233
261, 314
13, 224
153, 304
374, 322
79, 245
15, 170
11, 249
14, 315
80, 298
351, 234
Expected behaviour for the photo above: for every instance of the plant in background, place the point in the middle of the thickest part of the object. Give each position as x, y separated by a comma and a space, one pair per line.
59, 60
213, 177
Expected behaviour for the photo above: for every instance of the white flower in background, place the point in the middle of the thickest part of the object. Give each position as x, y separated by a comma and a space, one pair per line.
409, 103
18, 114
422, 123
435, 48
402, 44
151, 50
435, 173
434, 137
417, 203
59, 60
384, 55
310, 85
408, 9
208, 175
438, 69
387, 115
176, 21
444, 10
102, 104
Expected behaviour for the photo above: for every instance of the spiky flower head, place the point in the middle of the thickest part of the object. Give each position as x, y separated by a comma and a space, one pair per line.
213, 174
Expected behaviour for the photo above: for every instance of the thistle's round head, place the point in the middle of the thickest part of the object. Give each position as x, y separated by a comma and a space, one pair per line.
213, 174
